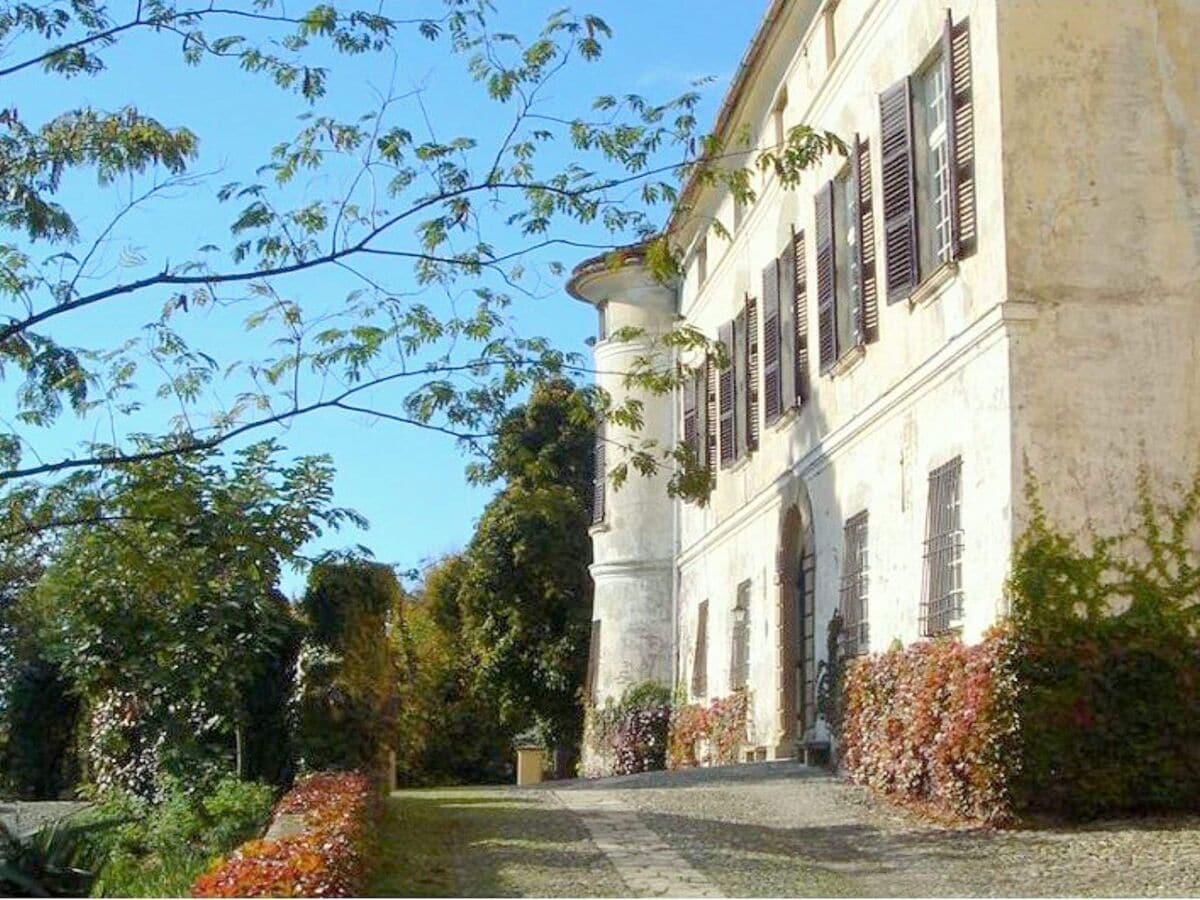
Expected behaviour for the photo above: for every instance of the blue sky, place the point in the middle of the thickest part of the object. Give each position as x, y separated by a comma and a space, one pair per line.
408, 484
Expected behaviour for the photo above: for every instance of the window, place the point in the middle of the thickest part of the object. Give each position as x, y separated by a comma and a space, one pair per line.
702, 260
599, 478
942, 605
602, 326
752, 367
589, 685
739, 213
831, 49
700, 655
846, 289
739, 667
778, 128
928, 167
725, 395
853, 599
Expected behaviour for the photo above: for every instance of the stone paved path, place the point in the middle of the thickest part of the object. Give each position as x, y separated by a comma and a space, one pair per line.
645, 862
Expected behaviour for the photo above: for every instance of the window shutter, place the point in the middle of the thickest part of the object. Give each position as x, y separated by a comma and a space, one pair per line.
599, 478
710, 415
961, 132
725, 397
854, 214
868, 289
951, 142
691, 431
753, 364
700, 659
800, 374
899, 190
826, 279
589, 687
772, 387
787, 326
741, 393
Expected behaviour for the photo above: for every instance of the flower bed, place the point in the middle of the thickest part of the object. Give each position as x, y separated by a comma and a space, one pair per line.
327, 858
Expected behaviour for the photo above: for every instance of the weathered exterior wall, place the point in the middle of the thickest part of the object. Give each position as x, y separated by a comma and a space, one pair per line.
1101, 138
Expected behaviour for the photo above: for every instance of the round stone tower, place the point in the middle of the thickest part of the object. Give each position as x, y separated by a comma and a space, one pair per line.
634, 545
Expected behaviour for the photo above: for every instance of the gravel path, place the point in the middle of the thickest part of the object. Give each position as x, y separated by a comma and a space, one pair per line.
768, 829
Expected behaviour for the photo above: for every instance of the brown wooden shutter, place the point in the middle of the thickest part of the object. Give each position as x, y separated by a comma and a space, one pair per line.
868, 288
711, 415
599, 478
800, 374
753, 365
787, 326
961, 128
951, 142
899, 190
726, 399
589, 685
741, 390
772, 386
700, 657
691, 427
826, 279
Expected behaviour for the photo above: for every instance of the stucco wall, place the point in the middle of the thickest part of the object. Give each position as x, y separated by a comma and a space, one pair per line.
1101, 142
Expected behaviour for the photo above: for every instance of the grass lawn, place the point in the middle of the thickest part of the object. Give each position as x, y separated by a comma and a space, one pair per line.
486, 842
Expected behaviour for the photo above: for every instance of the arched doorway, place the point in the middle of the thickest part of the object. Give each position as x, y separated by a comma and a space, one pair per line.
796, 668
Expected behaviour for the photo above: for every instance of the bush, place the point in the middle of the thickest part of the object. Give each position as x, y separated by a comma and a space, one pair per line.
707, 735
327, 858
936, 723
629, 736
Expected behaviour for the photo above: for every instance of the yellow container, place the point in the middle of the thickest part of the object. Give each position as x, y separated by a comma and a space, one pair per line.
530, 763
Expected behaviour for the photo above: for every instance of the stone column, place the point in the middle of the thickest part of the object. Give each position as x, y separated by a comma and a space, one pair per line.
634, 547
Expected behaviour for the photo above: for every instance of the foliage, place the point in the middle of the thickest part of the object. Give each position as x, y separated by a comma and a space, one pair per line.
346, 702
163, 630
47, 865
450, 730
38, 761
327, 858
1110, 663
269, 751
831, 675
707, 734
936, 723
631, 735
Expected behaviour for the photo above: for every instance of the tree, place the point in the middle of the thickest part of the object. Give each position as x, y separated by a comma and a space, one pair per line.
398, 273
162, 628
525, 597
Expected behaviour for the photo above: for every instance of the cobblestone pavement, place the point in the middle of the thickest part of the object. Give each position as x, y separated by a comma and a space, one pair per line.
767, 829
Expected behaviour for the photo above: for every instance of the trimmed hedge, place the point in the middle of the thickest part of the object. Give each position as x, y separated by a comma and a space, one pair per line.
328, 858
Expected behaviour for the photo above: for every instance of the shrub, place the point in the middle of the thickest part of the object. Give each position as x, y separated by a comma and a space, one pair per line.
327, 858
708, 735
629, 736
936, 723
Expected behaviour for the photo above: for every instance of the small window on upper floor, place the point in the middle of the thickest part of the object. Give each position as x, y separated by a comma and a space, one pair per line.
831, 48
702, 260
739, 213
778, 127
602, 321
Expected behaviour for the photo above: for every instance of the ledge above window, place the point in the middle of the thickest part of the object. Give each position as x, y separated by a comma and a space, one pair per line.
933, 285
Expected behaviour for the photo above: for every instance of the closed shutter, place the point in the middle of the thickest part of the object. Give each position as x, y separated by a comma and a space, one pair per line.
826, 279
710, 415
741, 391
599, 478
589, 686
752, 373
700, 657
801, 378
699, 389
691, 427
772, 387
726, 399
899, 190
960, 121
787, 326
868, 289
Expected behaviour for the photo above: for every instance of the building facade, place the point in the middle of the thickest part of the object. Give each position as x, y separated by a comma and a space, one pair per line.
1000, 277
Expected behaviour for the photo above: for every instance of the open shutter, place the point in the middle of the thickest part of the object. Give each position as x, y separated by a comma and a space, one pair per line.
753, 364
951, 141
691, 426
772, 387
725, 397
854, 214
899, 190
787, 326
599, 478
961, 129
741, 392
868, 289
826, 279
700, 659
710, 415
801, 383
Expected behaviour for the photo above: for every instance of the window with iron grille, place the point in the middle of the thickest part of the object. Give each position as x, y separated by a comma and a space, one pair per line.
739, 668
700, 654
599, 478
942, 605
855, 637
